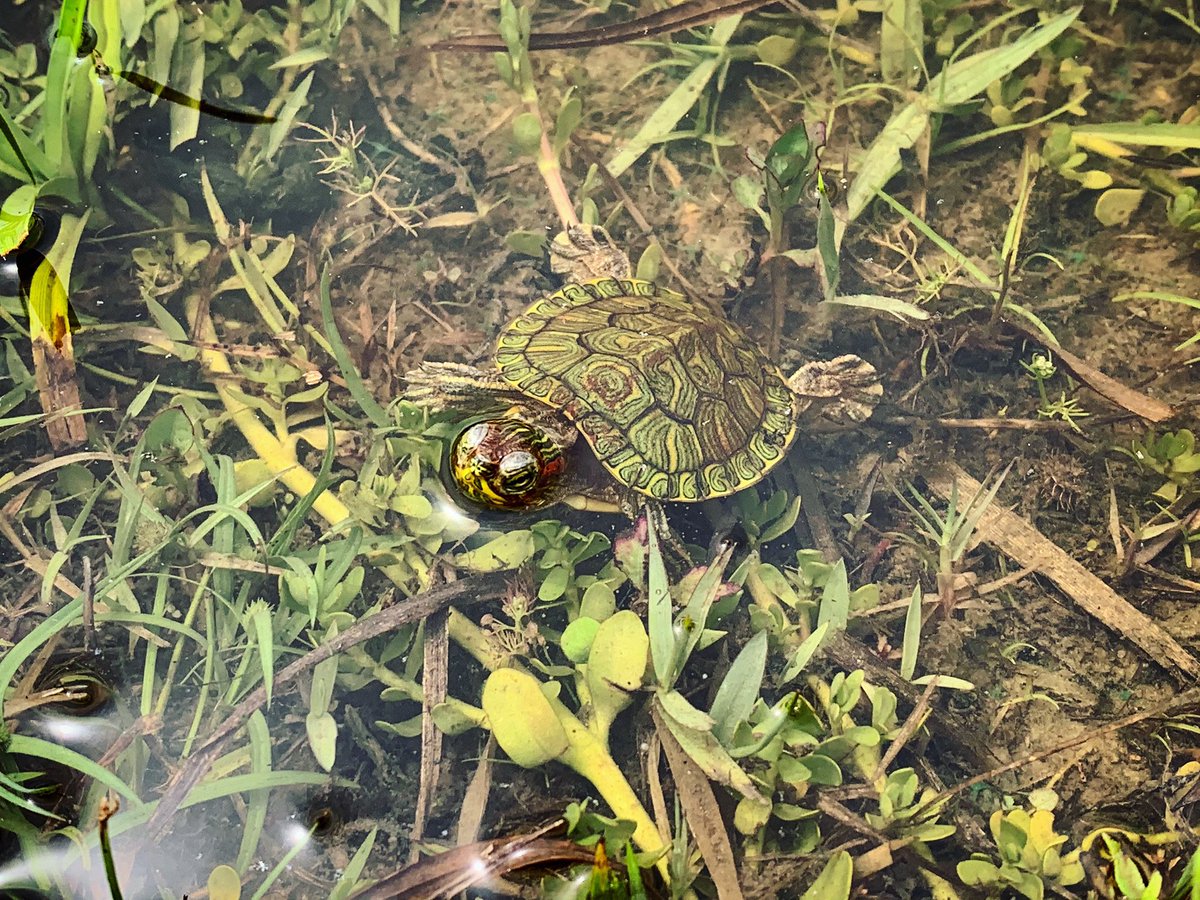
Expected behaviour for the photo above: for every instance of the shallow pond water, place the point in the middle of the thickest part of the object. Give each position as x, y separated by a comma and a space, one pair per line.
255, 637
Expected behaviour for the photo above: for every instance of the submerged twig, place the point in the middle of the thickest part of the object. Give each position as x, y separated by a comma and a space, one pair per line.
1109, 388
677, 18
915, 720
1178, 703
433, 691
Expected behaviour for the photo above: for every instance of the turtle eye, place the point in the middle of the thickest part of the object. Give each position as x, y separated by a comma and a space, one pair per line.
506, 463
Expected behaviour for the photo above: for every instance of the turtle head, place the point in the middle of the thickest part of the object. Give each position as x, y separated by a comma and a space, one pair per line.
506, 463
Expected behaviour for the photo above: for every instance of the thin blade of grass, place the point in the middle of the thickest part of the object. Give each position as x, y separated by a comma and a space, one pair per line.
256, 808
341, 355
679, 102
354, 870
912, 635
27, 745
892, 306
944, 245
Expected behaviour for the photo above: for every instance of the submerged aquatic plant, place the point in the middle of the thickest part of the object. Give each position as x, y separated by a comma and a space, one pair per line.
1041, 369
1030, 853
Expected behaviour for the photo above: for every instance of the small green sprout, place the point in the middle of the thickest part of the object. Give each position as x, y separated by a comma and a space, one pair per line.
1183, 212
1041, 369
950, 532
905, 813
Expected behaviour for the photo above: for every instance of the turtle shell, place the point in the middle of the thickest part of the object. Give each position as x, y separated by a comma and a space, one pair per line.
676, 402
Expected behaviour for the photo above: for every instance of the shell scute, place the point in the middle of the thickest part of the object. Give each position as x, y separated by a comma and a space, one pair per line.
674, 401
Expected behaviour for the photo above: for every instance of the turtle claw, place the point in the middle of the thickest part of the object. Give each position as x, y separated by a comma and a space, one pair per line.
846, 388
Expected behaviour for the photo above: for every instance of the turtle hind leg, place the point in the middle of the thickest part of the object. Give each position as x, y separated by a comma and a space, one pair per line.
658, 517
845, 389
437, 386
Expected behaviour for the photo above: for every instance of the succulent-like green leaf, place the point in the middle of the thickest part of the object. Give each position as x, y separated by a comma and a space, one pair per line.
508, 551
576, 639
835, 879
521, 718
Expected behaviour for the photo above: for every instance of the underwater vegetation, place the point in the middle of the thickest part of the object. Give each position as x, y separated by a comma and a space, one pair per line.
728, 450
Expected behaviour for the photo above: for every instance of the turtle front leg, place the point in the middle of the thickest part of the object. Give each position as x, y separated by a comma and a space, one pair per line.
437, 386
585, 252
845, 390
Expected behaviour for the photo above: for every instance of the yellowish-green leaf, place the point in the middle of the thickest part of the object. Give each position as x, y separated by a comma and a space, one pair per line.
521, 718
835, 879
15, 216
224, 883
322, 738
893, 306
506, 552
1116, 205
1157, 134
305, 57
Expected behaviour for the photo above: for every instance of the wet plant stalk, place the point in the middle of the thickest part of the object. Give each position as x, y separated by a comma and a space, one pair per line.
551, 173
587, 752
108, 808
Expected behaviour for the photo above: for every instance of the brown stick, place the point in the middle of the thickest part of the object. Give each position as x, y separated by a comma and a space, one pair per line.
686, 15
951, 728
433, 691
1109, 388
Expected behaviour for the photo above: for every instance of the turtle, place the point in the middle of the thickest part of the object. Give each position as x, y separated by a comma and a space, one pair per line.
675, 402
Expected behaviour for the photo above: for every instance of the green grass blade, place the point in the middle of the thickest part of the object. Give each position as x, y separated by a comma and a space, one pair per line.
912, 635
28, 645
944, 245
27, 745
354, 870
966, 78
256, 808
58, 77
679, 102
354, 383
27, 154
1157, 134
